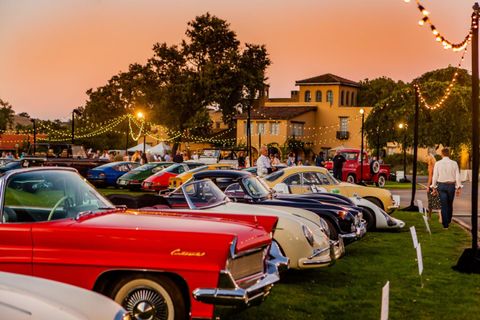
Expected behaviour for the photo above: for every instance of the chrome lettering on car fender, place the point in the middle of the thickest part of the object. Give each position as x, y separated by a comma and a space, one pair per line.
179, 252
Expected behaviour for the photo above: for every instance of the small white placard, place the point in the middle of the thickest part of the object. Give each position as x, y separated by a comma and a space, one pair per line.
414, 236
425, 218
419, 259
385, 301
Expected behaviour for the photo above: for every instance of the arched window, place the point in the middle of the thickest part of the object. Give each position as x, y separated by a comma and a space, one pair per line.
353, 99
330, 96
348, 98
342, 98
308, 97
318, 96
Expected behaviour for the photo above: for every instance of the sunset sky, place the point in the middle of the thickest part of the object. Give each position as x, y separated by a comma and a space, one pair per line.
52, 51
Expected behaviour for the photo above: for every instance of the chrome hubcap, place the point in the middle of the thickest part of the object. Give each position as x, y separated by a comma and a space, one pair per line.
146, 304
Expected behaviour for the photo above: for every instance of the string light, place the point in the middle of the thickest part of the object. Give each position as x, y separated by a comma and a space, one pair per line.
447, 44
448, 90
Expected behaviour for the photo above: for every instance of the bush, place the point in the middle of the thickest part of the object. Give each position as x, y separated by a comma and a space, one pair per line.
396, 163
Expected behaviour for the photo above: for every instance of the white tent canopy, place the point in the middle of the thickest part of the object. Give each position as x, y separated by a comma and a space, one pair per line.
160, 148
139, 147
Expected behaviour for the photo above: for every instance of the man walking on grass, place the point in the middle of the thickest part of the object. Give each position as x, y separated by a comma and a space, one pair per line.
446, 182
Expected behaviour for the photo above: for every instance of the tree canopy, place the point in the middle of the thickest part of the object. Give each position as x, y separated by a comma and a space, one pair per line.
6, 115
178, 83
394, 103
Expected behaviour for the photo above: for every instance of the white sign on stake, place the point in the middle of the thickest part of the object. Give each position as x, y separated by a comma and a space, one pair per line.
385, 301
425, 218
414, 236
419, 259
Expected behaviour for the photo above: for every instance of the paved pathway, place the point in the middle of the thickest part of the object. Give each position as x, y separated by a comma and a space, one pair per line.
461, 205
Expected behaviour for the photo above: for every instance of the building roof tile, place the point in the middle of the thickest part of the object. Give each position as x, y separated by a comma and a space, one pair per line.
328, 78
277, 113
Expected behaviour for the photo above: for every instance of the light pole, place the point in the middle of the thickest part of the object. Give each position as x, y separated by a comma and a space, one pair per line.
34, 136
470, 261
74, 112
362, 112
141, 117
403, 126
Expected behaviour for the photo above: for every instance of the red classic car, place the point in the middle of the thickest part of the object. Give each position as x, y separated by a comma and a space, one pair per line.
159, 181
170, 266
373, 171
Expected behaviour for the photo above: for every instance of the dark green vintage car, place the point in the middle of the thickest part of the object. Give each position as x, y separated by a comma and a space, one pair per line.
134, 178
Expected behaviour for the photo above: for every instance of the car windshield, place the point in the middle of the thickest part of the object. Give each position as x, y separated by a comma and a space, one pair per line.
330, 177
11, 165
350, 155
171, 168
274, 175
255, 187
146, 167
198, 169
201, 194
44, 195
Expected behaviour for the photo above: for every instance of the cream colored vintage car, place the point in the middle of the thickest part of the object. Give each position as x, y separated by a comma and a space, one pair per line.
301, 179
301, 235
25, 297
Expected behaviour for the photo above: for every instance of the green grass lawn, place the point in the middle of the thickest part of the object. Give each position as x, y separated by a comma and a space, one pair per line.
401, 185
351, 289
108, 191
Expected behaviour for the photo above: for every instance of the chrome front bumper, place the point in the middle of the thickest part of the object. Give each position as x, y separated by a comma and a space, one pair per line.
230, 294
360, 231
320, 258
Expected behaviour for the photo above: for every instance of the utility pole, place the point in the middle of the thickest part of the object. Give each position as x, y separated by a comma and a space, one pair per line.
34, 136
469, 262
249, 136
412, 206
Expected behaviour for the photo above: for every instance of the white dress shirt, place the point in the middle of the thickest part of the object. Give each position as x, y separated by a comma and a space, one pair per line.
446, 170
263, 163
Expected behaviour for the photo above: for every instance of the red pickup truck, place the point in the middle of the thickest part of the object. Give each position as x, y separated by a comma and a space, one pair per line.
373, 171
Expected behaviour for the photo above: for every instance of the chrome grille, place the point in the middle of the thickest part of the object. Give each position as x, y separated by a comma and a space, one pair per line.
245, 266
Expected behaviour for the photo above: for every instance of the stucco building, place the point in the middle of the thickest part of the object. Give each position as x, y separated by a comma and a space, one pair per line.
323, 114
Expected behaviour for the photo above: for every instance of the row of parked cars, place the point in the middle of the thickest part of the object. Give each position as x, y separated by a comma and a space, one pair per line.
216, 242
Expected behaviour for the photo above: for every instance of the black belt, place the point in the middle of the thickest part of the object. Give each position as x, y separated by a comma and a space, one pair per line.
448, 182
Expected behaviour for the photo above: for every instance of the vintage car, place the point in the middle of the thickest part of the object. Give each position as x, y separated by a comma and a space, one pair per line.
375, 218
106, 175
241, 186
159, 181
25, 297
134, 178
373, 171
301, 179
169, 265
175, 182
300, 234
253, 170
26, 162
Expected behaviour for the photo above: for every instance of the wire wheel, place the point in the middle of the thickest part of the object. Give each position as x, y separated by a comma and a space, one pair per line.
146, 304
150, 298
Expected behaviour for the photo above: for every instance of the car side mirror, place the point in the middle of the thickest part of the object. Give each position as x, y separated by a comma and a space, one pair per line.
281, 188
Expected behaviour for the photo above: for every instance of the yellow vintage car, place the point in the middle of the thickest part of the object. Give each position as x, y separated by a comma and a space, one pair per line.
303, 178
177, 181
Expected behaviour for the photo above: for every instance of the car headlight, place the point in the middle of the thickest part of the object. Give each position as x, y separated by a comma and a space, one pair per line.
325, 227
308, 234
342, 214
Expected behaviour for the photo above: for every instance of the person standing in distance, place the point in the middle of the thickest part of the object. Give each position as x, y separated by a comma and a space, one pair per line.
446, 182
338, 161
264, 166
320, 160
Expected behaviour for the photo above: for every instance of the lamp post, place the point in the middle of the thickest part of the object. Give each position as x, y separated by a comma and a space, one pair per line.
141, 117
403, 126
74, 112
470, 261
34, 136
362, 112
